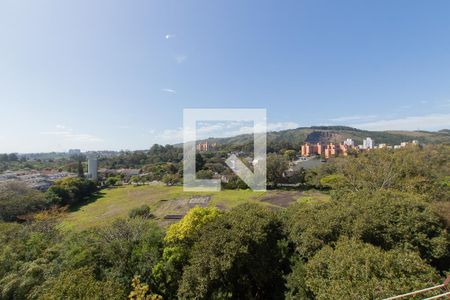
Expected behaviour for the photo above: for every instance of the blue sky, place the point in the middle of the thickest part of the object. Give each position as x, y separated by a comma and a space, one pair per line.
117, 74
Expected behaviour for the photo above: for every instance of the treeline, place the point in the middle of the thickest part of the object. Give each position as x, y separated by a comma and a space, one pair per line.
138, 159
17, 201
423, 171
8, 157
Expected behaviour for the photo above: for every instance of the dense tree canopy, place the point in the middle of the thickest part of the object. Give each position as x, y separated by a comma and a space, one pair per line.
16, 199
355, 270
387, 219
412, 169
239, 255
70, 191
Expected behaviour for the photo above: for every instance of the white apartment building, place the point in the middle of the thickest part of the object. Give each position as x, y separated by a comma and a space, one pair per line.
368, 143
349, 142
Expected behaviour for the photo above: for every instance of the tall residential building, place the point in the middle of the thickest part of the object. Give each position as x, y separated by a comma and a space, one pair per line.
320, 149
343, 149
349, 142
308, 150
330, 150
92, 167
368, 143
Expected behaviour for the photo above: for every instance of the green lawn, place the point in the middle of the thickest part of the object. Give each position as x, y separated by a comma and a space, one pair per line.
117, 202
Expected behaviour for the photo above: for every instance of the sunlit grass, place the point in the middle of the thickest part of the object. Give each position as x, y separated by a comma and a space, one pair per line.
114, 203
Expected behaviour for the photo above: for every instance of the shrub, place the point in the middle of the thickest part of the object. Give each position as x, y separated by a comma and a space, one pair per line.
142, 212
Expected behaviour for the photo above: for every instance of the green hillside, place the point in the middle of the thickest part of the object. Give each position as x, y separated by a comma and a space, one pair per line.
337, 134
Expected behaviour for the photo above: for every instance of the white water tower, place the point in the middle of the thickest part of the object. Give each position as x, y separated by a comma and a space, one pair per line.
92, 167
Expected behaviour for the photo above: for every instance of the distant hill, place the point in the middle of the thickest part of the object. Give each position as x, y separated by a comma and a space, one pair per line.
337, 134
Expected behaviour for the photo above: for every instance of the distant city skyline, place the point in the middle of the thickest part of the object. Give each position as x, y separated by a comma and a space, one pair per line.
111, 75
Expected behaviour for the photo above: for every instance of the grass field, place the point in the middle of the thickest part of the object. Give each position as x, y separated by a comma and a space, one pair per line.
116, 202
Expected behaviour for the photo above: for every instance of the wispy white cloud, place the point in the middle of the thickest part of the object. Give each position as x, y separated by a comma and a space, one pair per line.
69, 135
180, 58
425, 122
282, 126
353, 118
170, 136
169, 36
56, 132
169, 91
83, 137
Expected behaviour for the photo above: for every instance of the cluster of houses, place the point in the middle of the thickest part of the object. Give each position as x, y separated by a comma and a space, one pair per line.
205, 146
43, 179
40, 180
332, 149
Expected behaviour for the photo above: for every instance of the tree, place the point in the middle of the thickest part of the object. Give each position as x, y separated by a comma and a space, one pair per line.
296, 287
276, 166
113, 180
235, 182
13, 157
290, 154
333, 181
205, 174
142, 291
135, 180
178, 242
297, 176
80, 169
199, 162
240, 255
355, 270
171, 179
81, 284
70, 190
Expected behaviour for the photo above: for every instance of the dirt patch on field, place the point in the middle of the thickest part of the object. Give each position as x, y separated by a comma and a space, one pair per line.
281, 198
176, 206
201, 201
